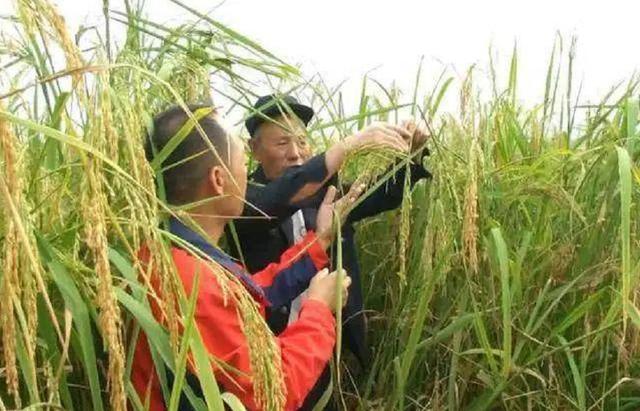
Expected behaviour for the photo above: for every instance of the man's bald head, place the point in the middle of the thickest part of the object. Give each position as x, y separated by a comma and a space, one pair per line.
184, 170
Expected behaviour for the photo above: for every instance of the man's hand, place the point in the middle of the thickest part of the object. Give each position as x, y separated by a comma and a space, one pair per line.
379, 135
325, 228
323, 287
418, 135
375, 135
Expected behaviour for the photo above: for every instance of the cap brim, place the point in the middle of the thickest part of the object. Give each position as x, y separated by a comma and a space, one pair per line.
304, 113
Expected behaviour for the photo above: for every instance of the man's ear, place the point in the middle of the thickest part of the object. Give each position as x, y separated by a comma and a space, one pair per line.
253, 144
217, 180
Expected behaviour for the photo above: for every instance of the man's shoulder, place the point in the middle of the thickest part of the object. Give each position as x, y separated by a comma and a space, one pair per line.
190, 266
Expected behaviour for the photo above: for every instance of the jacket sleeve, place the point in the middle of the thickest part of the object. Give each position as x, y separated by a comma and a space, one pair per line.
388, 195
274, 198
305, 346
283, 281
268, 204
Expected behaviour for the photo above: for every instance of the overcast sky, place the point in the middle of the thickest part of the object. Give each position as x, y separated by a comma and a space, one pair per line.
343, 39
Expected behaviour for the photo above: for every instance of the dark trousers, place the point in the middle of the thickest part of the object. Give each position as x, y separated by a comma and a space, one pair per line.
318, 390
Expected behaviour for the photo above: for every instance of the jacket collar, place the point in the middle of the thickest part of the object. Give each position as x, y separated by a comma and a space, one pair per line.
258, 176
179, 229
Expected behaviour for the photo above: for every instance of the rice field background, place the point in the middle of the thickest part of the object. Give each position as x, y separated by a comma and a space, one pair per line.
508, 281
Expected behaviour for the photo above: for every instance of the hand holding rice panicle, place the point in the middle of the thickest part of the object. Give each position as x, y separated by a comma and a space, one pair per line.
371, 160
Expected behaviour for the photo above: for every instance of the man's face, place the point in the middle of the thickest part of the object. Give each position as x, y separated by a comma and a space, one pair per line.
280, 145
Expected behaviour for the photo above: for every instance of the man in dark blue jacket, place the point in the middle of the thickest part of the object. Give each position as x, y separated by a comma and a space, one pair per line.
289, 185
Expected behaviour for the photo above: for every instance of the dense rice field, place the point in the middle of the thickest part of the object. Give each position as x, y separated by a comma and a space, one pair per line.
508, 281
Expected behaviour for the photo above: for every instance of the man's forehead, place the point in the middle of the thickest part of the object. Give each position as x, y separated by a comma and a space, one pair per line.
285, 125
291, 120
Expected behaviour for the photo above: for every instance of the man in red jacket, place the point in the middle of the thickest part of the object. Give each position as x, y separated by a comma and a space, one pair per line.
215, 182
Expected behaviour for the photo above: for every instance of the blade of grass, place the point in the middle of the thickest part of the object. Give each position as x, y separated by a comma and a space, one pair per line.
502, 258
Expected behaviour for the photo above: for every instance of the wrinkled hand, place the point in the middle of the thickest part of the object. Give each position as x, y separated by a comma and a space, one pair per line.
418, 135
325, 227
381, 135
324, 285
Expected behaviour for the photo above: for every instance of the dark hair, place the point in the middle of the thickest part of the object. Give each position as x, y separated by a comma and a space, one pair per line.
183, 170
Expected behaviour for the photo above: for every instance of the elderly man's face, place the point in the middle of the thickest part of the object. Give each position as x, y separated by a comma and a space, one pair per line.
280, 145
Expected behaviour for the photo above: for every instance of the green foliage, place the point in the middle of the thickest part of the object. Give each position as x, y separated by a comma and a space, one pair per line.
519, 262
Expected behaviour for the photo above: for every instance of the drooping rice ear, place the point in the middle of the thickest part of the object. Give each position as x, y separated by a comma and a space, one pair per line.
9, 287
470, 229
95, 230
43, 16
368, 163
405, 227
264, 353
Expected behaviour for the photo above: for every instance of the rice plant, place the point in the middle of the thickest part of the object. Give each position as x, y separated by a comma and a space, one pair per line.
508, 281
79, 201
521, 279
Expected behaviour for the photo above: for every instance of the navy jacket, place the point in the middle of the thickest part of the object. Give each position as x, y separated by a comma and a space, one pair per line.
262, 240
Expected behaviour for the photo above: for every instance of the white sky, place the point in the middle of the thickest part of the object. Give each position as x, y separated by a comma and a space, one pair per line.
343, 39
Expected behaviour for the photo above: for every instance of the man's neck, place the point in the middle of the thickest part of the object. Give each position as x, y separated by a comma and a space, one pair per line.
212, 226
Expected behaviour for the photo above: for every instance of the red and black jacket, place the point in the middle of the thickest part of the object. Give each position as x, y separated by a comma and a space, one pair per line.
306, 345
